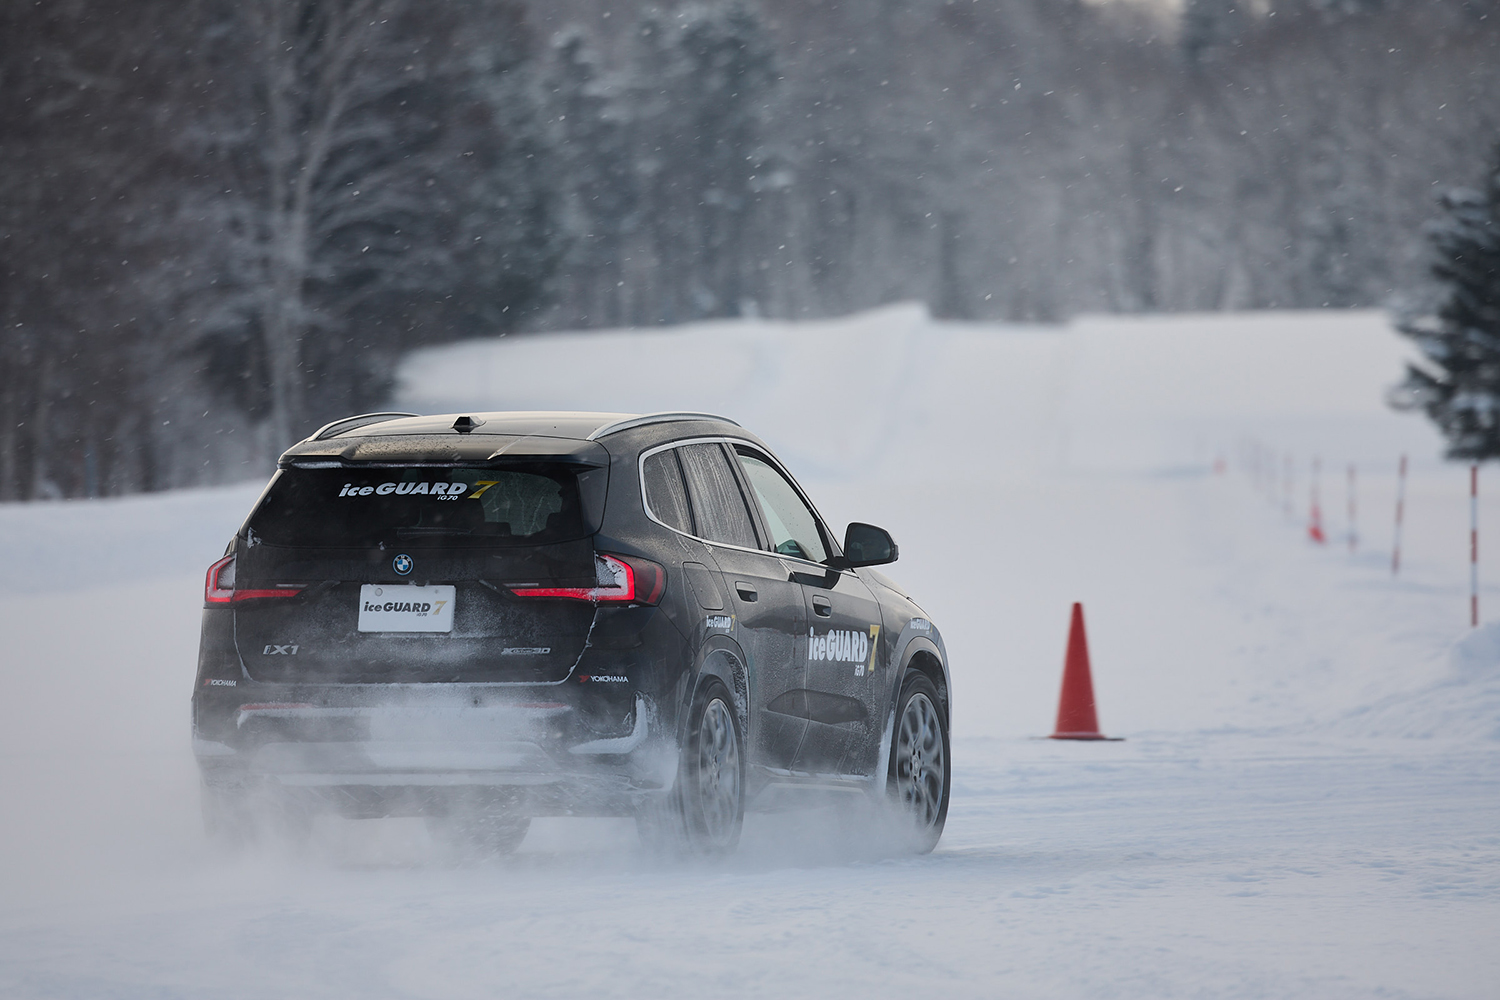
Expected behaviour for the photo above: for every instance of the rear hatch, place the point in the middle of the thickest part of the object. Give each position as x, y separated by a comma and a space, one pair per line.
409, 573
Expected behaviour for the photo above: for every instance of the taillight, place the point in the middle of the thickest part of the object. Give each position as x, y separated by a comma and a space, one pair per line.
219, 587
650, 579
622, 580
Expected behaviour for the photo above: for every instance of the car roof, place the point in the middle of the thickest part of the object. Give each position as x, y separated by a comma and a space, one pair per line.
395, 436
581, 424
550, 423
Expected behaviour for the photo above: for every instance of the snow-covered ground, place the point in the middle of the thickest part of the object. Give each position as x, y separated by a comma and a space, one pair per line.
1307, 804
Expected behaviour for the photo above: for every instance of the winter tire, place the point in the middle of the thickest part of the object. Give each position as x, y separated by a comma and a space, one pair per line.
920, 771
706, 809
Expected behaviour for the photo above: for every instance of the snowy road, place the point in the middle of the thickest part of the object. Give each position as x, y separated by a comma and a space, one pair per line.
1204, 866
1307, 805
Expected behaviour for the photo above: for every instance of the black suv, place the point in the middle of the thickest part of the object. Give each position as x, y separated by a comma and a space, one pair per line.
489, 617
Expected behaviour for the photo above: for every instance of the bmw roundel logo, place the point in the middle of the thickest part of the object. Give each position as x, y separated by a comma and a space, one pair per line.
401, 564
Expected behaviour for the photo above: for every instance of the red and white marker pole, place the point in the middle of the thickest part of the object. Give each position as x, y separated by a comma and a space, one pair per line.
1315, 514
1400, 510
1353, 522
1474, 545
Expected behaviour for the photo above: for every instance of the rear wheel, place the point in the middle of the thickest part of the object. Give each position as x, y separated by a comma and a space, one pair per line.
706, 809
919, 773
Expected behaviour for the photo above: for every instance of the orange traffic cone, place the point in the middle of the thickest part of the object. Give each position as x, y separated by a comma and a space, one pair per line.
1076, 719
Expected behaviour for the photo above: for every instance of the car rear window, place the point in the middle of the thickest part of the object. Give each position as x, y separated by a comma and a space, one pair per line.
665, 496
456, 507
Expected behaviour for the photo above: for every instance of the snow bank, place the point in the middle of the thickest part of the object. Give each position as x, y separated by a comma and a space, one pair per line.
1464, 702
863, 396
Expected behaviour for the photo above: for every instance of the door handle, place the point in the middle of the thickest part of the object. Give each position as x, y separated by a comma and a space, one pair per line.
822, 607
746, 592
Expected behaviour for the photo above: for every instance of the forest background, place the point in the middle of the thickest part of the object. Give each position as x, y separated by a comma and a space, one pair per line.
222, 222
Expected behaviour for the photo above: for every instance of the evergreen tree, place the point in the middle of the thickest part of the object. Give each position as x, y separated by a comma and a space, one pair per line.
727, 69
709, 71
591, 152
1459, 387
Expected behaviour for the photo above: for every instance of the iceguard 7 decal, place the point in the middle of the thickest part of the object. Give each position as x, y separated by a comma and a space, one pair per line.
840, 646
440, 490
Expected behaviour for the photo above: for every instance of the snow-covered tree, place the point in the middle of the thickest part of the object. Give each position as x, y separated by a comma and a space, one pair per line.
1458, 385
381, 177
592, 152
705, 76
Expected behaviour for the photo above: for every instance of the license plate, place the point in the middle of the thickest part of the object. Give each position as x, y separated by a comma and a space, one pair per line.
404, 608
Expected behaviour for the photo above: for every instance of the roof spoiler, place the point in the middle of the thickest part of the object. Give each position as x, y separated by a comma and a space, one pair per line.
360, 420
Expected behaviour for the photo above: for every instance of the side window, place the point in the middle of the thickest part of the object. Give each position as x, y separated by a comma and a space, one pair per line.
665, 496
794, 529
718, 506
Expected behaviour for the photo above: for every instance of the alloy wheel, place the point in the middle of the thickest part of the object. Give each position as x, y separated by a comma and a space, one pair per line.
920, 770
718, 774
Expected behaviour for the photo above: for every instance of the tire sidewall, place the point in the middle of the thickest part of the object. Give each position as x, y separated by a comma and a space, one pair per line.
922, 840
690, 808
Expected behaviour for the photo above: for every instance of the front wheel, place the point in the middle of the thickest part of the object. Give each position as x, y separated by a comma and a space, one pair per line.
920, 771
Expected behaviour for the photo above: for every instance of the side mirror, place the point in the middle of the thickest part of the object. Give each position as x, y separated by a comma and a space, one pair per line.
867, 545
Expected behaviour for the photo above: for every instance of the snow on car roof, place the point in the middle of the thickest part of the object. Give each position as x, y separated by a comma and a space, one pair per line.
550, 423
578, 424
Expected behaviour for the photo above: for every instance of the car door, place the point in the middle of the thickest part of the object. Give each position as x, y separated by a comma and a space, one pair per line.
768, 607
842, 644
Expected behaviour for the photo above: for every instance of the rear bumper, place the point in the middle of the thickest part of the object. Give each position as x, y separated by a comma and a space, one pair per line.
314, 764
400, 775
